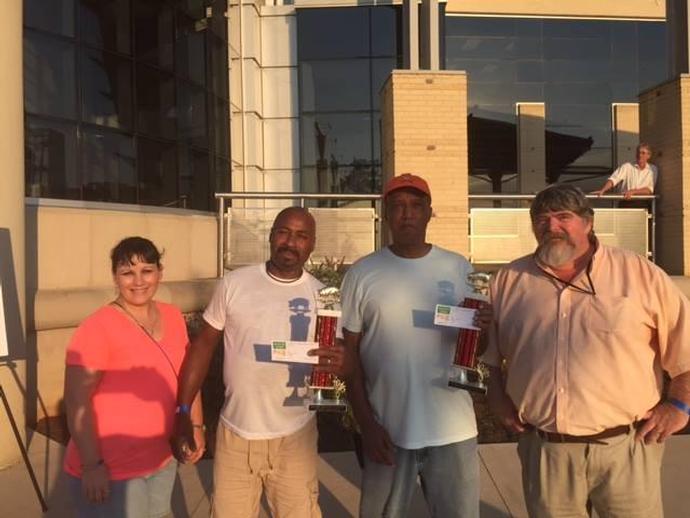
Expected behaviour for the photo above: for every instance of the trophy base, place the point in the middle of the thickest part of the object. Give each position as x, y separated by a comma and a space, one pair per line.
324, 400
466, 379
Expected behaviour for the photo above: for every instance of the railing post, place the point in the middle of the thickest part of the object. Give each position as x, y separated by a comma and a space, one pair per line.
221, 236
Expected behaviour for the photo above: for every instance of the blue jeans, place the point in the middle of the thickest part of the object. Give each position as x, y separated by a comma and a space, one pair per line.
449, 477
140, 497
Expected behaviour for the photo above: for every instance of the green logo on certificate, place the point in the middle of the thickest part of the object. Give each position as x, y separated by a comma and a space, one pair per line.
443, 310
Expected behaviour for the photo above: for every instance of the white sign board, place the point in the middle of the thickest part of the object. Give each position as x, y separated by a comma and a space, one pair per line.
4, 349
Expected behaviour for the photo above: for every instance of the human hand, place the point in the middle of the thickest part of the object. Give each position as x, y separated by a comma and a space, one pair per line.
483, 316
600, 192
331, 359
628, 195
504, 409
377, 444
95, 483
193, 456
661, 421
183, 442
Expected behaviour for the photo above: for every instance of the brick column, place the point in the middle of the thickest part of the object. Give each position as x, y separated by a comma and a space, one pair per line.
665, 125
424, 131
625, 118
531, 146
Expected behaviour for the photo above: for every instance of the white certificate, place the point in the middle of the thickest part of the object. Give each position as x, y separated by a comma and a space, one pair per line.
293, 352
454, 316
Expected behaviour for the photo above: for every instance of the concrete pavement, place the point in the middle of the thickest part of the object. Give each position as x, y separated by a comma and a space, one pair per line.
501, 493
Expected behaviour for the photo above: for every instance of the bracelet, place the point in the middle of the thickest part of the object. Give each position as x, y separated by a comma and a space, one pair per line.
679, 405
90, 467
183, 409
202, 427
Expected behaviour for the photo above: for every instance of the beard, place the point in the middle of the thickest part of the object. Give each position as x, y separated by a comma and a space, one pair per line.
555, 250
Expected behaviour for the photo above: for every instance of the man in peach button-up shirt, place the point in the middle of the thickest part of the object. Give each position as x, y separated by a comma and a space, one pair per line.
586, 332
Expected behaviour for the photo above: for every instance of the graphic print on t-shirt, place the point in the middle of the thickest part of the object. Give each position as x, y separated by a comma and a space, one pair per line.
300, 320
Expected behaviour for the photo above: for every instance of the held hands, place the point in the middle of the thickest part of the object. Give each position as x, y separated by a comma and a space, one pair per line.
187, 442
661, 421
484, 316
95, 483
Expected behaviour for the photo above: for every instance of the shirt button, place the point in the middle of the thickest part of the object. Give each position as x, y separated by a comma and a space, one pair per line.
561, 390
564, 315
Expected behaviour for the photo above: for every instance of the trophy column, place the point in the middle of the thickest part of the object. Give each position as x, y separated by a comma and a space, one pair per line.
321, 385
464, 372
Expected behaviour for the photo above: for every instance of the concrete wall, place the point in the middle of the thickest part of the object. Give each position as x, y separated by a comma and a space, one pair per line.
531, 145
665, 125
625, 118
12, 226
68, 276
424, 125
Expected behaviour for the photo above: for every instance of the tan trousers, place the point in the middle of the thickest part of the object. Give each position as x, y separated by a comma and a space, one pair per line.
285, 468
621, 479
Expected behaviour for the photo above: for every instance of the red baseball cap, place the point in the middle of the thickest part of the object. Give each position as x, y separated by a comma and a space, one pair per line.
407, 180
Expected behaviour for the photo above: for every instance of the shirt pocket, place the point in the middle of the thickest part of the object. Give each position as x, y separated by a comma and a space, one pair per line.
612, 314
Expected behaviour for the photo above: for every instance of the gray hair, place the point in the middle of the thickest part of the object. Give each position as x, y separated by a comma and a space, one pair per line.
561, 196
644, 145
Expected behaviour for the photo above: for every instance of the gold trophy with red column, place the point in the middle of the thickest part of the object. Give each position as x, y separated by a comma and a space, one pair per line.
464, 373
321, 385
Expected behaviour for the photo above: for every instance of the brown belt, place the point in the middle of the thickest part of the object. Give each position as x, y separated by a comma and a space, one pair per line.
597, 438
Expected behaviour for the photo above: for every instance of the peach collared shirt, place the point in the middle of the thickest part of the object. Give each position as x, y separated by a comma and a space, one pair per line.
577, 362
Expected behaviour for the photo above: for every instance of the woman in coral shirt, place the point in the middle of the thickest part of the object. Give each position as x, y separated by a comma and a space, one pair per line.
120, 394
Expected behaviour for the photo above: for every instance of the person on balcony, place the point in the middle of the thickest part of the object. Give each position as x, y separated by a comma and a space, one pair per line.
582, 335
120, 394
266, 440
412, 424
633, 179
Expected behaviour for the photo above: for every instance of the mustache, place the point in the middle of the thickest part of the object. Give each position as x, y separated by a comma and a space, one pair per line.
552, 236
287, 249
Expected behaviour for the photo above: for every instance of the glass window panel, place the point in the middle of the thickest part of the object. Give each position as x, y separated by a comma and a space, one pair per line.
335, 85
56, 16
156, 113
476, 26
51, 153
49, 76
577, 93
191, 112
475, 47
486, 70
332, 33
492, 141
157, 171
386, 24
218, 22
219, 67
108, 167
330, 141
381, 70
529, 71
222, 121
652, 51
222, 177
194, 178
190, 50
581, 29
153, 32
106, 24
106, 81
577, 48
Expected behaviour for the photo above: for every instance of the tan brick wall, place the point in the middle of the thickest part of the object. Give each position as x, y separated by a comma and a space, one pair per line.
647, 9
665, 125
424, 131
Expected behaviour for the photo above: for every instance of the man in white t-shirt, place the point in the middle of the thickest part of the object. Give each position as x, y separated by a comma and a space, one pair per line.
266, 438
397, 365
633, 179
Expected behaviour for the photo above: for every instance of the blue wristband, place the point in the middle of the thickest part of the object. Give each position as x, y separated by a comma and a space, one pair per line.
679, 405
183, 409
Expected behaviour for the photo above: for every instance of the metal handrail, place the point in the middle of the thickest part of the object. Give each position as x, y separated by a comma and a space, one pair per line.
376, 199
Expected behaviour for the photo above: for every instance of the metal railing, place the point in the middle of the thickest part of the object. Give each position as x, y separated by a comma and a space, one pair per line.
301, 198
375, 200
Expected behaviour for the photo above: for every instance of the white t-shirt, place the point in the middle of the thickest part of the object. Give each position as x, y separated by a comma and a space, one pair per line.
630, 176
406, 358
263, 399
